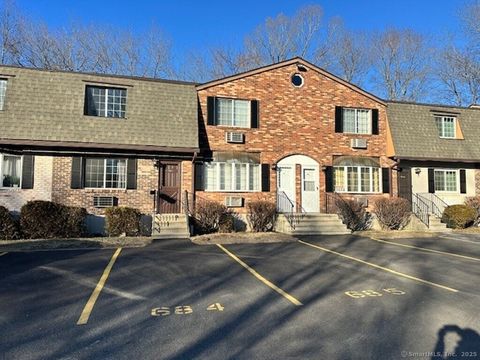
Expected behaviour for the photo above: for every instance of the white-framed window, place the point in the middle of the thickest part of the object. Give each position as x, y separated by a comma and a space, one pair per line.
106, 173
231, 176
232, 112
10, 171
3, 92
357, 121
446, 180
356, 179
446, 126
105, 101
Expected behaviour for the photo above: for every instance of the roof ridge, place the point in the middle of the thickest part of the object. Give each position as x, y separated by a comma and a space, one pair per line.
117, 76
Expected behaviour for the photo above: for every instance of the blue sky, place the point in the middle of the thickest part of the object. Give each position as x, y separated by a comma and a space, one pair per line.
195, 24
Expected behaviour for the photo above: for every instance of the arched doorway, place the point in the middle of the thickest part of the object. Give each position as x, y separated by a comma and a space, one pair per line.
298, 184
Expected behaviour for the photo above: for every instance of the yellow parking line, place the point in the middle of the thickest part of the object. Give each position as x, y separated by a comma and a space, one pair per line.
380, 267
3, 253
87, 310
428, 250
261, 278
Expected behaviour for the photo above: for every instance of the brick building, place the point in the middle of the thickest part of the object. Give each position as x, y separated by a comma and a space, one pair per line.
291, 133
93, 141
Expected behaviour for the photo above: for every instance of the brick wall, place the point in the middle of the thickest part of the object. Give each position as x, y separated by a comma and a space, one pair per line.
292, 121
140, 198
14, 199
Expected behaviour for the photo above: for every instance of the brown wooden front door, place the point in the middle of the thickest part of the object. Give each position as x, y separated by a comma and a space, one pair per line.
169, 195
405, 183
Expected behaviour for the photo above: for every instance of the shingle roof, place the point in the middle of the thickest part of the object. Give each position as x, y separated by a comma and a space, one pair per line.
415, 135
48, 106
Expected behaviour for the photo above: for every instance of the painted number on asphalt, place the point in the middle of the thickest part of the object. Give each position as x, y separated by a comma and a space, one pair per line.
182, 310
215, 307
373, 293
161, 311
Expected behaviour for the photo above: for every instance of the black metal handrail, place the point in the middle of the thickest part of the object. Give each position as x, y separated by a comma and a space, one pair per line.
332, 199
295, 211
421, 209
435, 204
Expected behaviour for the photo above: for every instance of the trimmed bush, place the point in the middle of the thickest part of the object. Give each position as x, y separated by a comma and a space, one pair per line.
121, 220
392, 213
262, 215
474, 202
354, 215
75, 221
227, 223
9, 227
47, 220
459, 216
209, 215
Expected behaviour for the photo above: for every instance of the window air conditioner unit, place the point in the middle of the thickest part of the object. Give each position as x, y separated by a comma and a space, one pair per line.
234, 137
233, 201
358, 143
104, 201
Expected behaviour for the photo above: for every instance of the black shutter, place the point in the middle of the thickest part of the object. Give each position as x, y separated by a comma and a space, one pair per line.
131, 173
77, 173
386, 180
28, 170
210, 110
338, 119
431, 181
463, 182
265, 177
375, 121
254, 114
329, 179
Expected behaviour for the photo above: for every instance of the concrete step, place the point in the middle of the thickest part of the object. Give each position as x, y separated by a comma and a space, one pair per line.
321, 227
296, 232
314, 224
170, 226
436, 225
171, 236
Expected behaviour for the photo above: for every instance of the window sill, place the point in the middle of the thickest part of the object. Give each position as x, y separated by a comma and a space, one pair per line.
105, 117
9, 189
88, 189
359, 193
357, 134
231, 191
232, 127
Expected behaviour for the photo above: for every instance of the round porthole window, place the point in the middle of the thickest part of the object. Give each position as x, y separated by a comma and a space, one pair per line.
297, 80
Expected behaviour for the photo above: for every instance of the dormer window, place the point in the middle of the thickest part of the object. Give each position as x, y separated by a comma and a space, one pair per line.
105, 101
446, 126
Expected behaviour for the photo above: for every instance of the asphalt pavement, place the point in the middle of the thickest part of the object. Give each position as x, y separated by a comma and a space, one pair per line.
332, 297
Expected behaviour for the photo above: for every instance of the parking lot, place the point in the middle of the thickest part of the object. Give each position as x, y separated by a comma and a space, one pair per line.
335, 297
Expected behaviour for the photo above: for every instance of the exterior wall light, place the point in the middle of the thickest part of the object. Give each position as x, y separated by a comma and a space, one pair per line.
418, 171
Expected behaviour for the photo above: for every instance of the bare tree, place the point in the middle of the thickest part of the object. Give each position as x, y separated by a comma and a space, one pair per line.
284, 37
401, 64
346, 52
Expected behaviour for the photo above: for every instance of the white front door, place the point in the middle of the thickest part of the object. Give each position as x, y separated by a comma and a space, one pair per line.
310, 189
285, 188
